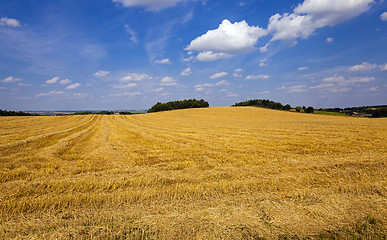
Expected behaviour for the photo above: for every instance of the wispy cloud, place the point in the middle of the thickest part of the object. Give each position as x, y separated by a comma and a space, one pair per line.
253, 77
73, 86
186, 72
52, 93
163, 61
218, 75
168, 81
11, 79
101, 73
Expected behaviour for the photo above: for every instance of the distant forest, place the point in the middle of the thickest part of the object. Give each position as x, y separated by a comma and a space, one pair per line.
12, 113
190, 103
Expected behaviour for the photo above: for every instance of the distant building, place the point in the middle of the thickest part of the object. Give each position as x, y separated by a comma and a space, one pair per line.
356, 114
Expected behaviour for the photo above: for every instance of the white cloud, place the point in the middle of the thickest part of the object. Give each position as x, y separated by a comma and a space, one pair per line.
101, 73
222, 83
24, 84
365, 66
128, 85
241, 4
373, 89
133, 35
263, 62
227, 40
168, 81
237, 72
188, 59
149, 5
10, 22
211, 56
330, 40
49, 93
65, 81
384, 16
303, 68
163, 61
311, 15
343, 81
265, 92
323, 85
383, 67
252, 77
73, 86
126, 94
186, 72
11, 79
158, 90
52, 80
135, 77
218, 75
294, 89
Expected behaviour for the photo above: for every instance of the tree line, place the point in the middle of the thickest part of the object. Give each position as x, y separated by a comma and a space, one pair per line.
13, 113
173, 105
265, 103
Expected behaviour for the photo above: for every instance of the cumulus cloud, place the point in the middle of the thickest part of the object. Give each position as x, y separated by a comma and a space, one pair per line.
52, 80
11, 79
10, 22
253, 77
49, 93
163, 61
312, 15
73, 86
384, 16
383, 67
226, 41
218, 75
168, 81
365, 66
149, 5
135, 77
65, 81
186, 72
101, 73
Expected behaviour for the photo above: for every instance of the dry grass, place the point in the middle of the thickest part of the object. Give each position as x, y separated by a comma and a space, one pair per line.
216, 173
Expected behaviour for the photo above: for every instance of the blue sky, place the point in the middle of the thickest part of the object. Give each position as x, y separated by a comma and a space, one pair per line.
130, 54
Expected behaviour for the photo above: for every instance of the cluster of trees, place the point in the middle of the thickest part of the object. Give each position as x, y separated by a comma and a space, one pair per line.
304, 109
12, 113
173, 105
265, 103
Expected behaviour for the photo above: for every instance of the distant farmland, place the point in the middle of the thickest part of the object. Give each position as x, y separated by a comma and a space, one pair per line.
214, 173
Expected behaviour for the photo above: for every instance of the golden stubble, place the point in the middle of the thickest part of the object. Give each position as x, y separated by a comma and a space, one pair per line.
214, 173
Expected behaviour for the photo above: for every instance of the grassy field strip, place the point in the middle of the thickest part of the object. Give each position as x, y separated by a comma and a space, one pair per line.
217, 173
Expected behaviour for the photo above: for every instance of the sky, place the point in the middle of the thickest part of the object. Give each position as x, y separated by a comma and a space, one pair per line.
130, 54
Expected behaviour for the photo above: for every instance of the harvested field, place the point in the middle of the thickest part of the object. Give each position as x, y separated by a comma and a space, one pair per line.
214, 173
